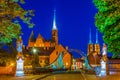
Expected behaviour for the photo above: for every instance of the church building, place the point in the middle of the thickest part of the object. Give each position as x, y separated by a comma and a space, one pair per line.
49, 50
93, 51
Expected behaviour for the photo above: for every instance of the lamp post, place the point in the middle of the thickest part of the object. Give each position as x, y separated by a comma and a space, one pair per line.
34, 50
36, 59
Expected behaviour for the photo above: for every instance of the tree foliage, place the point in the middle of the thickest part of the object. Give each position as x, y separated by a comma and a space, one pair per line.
7, 57
11, 13
108, 22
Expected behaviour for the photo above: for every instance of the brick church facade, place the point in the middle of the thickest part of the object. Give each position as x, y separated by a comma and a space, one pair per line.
48, 50
93, 51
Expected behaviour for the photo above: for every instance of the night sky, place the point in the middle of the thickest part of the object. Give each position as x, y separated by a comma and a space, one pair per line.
74, 18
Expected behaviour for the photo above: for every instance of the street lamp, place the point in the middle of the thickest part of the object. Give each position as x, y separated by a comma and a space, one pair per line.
34, 50
12, 64
36, 59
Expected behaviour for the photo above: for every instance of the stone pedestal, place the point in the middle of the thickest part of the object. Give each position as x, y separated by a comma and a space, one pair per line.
104, 68
20, 68
19, 61
104, 61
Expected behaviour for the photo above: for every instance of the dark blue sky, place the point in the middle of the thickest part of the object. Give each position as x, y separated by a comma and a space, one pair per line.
74, 19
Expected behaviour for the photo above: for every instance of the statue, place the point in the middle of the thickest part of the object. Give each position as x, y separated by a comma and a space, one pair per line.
104, 52
104, 62
19, 45
19, 61
104, 49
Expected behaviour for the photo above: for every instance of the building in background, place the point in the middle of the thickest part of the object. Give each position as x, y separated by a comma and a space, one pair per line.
93, 51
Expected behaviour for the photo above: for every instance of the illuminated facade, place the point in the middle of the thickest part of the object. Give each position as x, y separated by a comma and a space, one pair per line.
48, 50
90, 45
97, 45
93, 51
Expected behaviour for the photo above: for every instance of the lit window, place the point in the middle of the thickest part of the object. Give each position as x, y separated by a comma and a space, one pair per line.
34, 44
44, 48
40, 45
40, 61
47, 48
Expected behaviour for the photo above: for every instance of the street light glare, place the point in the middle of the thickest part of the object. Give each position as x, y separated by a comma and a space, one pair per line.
12, 64
34, 50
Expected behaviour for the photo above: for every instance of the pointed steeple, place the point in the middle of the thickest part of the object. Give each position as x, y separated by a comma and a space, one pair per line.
32, 34
90, 36
39, 36
32, 38
54, 21
96, 36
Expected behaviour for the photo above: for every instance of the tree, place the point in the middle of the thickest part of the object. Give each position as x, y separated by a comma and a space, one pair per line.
9, 55
6, 57
108, 23
11, 13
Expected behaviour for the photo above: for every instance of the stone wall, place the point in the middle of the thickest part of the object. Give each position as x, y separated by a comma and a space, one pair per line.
7, 70
114, 66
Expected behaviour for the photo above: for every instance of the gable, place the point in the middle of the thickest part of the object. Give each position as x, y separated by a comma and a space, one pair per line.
56, 53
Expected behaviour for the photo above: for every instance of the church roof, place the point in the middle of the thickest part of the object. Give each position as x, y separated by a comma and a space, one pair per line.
39, 36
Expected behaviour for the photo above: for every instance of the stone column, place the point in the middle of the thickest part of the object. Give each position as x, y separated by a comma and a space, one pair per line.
20, 58
104, 61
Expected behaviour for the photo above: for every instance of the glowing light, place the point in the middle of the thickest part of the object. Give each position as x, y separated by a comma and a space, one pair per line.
19, 73
12, 64
102, 73
19, 69
54, 21
103, 65
103, 69
34, 50
66, 63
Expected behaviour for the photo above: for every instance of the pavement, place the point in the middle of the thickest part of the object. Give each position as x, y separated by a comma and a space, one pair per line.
26, 77
108, 77
67, 76
47, 76
60, 77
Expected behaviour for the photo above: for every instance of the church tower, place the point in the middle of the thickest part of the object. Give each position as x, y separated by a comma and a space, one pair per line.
97, 45
90, 44
54, 31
